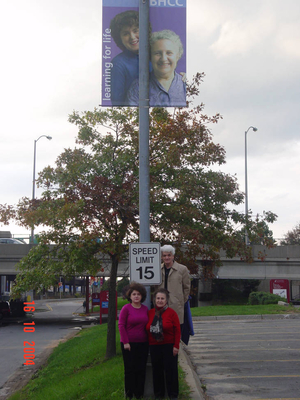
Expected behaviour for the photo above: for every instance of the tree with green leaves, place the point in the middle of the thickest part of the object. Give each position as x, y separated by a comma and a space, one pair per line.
292, 236
258, 228
89, 202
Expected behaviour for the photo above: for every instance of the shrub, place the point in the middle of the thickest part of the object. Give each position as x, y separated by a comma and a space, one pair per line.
253, 298
264, 298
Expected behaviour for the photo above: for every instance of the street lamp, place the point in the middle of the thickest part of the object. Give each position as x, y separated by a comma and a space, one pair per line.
246, 183
33, 180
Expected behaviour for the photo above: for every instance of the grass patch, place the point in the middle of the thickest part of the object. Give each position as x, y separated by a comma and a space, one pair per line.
242, 310
77, 369
184, 389
122, 302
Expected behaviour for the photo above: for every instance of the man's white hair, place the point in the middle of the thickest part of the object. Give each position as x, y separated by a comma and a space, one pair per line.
167, 248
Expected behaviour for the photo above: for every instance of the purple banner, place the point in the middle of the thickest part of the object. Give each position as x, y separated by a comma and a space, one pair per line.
120, 53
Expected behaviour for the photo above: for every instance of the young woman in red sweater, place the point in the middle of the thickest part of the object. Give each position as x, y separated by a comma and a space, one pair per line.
163, 329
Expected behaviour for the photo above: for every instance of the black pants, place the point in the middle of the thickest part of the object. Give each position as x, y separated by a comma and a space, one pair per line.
135, 369
164, 364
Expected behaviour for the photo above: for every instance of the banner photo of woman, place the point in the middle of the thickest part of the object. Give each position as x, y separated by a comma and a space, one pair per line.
120, 53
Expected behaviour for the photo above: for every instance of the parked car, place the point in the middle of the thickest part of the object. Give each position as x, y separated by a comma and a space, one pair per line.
17, 308
11, 241
4, 309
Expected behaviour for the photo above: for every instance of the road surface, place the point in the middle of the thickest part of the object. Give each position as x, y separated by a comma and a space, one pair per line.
53, 322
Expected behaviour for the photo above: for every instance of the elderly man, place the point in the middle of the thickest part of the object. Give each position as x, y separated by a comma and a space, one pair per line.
175, 278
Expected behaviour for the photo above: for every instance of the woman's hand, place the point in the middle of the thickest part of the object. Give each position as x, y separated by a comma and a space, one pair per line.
127, 347
175, 351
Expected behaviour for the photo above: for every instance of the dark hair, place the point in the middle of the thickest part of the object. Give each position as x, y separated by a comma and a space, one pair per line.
139, 288
162, 290
126, 18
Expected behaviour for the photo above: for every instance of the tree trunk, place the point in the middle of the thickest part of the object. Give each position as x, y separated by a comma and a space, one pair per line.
87, 294
111, 322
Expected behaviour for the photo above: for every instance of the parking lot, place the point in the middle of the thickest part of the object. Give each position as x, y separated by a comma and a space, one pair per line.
249, 358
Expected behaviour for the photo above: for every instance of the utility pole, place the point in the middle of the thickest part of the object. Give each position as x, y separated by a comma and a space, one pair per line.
144, 176
246, 185
144, 191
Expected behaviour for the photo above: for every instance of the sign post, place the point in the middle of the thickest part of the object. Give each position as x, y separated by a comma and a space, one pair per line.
103, 301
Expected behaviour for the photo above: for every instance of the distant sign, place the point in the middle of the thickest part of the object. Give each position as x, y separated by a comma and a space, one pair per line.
280, 287
145, 263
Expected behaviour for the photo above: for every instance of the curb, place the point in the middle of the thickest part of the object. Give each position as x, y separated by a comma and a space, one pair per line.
241, 317
82, 299
191, 376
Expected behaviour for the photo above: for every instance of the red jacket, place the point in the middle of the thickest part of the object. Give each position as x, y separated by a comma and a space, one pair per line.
171, 327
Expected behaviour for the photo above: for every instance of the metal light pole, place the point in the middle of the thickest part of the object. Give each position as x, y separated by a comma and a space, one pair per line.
246, 184
33, 181
144, 176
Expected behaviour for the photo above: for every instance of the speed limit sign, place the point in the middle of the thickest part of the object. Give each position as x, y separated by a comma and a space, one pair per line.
145, 263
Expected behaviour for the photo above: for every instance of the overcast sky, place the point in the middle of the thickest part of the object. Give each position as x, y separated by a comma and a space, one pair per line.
249, 51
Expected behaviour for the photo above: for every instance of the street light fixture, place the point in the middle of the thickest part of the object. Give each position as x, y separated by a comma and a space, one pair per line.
33, 180
246, 184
